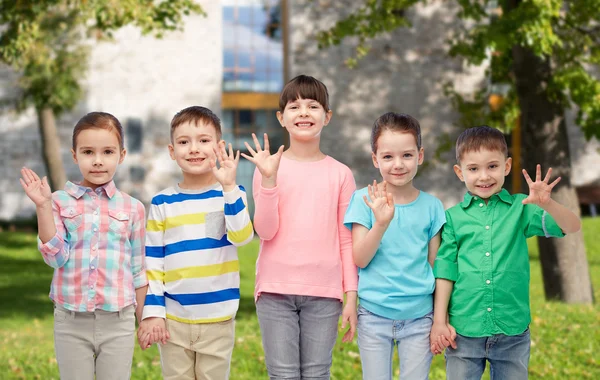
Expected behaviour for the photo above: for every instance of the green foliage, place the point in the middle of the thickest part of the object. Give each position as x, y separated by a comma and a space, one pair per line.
48, 40
565, 340
564, 33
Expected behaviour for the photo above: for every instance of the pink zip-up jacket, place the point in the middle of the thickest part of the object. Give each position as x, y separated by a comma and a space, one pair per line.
304, 247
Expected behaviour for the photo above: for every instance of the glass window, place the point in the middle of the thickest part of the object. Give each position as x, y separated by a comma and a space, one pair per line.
252, 46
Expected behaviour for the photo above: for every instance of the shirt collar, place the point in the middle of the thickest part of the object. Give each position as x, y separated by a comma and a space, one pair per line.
503, 195
76, 191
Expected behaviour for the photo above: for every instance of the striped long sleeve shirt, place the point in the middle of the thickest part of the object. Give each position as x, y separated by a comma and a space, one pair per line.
191, 253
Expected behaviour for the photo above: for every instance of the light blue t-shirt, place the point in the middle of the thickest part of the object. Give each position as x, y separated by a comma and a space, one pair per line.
398, 283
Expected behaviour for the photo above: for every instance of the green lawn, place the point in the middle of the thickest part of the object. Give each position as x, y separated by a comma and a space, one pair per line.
565, 338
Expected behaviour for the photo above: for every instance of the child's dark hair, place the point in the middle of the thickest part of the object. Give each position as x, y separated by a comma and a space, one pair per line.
196, 114
481, 137
99, 120
395, 122
305, 87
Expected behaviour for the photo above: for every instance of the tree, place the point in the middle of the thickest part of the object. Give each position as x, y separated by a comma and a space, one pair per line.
48, 42
545, 53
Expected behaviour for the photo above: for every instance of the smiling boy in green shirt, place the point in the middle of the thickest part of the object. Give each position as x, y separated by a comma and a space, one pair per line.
482, 266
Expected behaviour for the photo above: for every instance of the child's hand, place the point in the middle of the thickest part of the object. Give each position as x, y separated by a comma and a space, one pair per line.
152, 330
37, 190
539, 191
349, 317
267, 163
441, 336
228, 163
382, 203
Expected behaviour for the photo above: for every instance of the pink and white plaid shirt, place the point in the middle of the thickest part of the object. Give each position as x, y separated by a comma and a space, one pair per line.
98, 249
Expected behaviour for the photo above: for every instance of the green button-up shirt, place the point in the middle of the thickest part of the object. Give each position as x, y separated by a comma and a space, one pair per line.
484, 251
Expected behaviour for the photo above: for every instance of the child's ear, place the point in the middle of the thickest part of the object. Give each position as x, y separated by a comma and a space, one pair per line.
374, 158
74, 156
459, 173
280, 118
507, 166
421, 155
123, 154
328, 117
172, 152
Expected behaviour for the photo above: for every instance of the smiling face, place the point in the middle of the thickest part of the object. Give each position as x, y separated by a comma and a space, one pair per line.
304, 119
397, 157
97, 153
483, 171
192, 147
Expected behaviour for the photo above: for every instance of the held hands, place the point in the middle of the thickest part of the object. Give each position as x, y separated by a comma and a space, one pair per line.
267, 163
539, 191
382, 203
442, 335
37, 190
225, 174
152, 330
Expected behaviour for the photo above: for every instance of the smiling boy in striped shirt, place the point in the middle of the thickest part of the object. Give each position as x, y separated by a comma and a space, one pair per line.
193, 231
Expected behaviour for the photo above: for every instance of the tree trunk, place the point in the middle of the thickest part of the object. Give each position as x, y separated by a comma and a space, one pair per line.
51, 149
544, 135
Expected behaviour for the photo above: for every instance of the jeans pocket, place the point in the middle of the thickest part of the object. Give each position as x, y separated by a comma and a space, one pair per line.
60, 315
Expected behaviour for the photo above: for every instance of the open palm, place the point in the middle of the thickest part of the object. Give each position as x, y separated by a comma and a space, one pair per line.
228, 163
539, 191
36, 189
267, 163
381, 203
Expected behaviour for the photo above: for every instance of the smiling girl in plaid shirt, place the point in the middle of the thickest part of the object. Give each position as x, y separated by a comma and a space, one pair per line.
92, 234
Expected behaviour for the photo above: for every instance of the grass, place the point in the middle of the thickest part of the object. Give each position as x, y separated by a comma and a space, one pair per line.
565, 338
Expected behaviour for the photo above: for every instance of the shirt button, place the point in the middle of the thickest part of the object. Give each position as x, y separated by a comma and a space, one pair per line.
489, 309
487, 253
486, 227
95, 229
481, 205
92, 287
95, 212
486, 281
94, 248
93, 267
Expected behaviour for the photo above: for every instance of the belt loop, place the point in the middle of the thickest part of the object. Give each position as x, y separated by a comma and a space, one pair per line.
121, 313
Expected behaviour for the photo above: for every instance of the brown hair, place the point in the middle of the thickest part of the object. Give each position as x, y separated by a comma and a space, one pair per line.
196, 114
99, 120
305, 87
395, 122
477, 138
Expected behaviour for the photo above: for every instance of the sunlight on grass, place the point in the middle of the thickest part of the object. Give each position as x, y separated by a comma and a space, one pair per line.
565, 338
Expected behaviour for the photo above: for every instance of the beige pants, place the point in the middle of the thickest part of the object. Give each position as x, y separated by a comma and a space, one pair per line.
98, 342
198, 351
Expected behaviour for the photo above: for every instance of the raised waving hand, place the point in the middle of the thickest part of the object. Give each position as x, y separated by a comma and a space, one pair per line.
267, 163
539, 191
228, 163
36, 189
381, 203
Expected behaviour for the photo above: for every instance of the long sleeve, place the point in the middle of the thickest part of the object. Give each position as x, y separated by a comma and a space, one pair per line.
266, 213
237, 218
56, 250
155, 263
349, 269
446, 264
138, 233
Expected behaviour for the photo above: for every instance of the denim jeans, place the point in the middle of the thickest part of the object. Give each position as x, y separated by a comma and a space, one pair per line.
298, 334
377, 337
508, 357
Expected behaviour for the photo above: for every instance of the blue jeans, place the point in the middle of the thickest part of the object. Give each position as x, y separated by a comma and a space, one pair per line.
377, 337
298, 334
508, 357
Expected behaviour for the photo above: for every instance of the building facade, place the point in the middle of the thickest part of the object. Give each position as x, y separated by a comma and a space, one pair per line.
235, 61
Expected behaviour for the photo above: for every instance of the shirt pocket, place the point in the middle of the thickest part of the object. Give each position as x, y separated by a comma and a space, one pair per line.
215, 225
71, 218
118, 221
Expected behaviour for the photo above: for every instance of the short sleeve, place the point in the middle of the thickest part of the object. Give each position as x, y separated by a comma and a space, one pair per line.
438, 218
358, 211
446, 261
